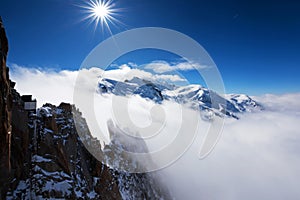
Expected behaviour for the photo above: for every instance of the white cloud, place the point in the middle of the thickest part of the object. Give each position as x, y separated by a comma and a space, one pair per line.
163, 66
257, 157
167, 77
159, 66
125, 72
285, 102
50, 86
45, 86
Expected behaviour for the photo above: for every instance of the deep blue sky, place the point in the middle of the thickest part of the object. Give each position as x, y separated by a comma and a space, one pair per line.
255, 44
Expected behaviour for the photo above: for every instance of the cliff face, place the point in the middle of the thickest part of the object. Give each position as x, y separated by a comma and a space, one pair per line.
5, 110
42, 156
59, 166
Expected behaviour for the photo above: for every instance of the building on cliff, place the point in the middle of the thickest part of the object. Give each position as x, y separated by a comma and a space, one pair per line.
29, 103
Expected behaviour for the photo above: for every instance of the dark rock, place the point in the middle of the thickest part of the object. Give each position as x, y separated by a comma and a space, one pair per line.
5, 113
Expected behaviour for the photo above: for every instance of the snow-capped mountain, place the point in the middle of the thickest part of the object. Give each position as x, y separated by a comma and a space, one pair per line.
196, 96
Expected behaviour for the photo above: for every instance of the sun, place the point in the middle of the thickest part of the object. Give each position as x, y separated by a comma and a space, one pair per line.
101, 12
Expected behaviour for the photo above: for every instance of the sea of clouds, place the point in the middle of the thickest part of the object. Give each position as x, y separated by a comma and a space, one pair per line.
257, 157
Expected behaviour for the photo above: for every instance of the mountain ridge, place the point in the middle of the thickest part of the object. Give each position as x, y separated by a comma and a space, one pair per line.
200, 97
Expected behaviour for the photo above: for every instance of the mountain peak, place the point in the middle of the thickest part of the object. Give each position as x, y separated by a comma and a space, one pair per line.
196, 95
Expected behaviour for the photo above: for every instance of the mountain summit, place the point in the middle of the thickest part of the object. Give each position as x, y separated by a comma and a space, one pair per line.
197, 96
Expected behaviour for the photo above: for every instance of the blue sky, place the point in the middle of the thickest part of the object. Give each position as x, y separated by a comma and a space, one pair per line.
255, 44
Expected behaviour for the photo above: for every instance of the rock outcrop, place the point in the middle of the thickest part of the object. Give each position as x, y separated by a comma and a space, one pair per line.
5, 111
59, 165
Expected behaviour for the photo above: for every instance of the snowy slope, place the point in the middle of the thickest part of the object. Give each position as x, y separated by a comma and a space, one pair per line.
197, 96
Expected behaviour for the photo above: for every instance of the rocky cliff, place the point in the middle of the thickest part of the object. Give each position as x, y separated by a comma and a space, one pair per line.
5, 111
42, 156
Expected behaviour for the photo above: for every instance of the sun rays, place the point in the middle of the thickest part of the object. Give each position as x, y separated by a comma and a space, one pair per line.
101, 12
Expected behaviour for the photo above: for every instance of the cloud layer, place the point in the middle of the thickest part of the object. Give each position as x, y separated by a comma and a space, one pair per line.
257, 157
50, 86
46, 86
125, 72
